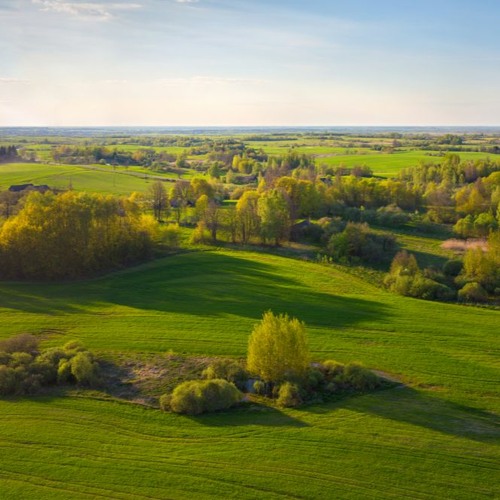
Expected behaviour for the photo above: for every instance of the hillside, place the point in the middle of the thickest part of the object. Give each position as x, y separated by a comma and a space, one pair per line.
434, 437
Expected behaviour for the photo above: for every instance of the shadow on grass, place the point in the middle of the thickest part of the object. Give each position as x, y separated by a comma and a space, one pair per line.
407, 405
249, 414
202, 284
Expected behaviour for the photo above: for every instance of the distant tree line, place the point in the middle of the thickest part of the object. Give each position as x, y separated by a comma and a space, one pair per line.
8, 153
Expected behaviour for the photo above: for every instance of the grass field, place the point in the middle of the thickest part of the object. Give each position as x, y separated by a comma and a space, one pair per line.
80, 178
435, 438
388, 165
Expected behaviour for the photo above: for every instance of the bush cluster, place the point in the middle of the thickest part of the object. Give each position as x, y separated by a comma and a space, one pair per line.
227, 369
358, 243
25, 370
406, 278
327, 378
201, 396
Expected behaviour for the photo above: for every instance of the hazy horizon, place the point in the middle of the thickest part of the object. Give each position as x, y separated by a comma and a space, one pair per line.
221, 63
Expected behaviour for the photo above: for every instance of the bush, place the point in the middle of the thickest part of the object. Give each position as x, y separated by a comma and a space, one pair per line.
23, 372
196, 397
358, 243
20, 343
165, 402
392, 216
332, 368
84, 369
453, 268
315, 378
260, 387
8, 380
472, 292
359, 378
289, 395
226, 369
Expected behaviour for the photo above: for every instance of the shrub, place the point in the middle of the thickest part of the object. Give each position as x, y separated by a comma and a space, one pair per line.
226, 369
289, 395
259, 387
332, 368
392, 216
64, 371
8, 380
195, 397
472, 292
20, 343
453, 267
315, 378
84, 369
359, 378
165, 402
23, 372
201, 234
358, 243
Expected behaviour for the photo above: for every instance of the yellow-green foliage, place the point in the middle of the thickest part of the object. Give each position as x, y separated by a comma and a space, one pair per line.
201, 396
484, 267
227, 369
25, 370
277, 348
289, 395
73, 234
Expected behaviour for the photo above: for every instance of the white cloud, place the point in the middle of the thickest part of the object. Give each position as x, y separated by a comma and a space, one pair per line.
187, 1
87, 10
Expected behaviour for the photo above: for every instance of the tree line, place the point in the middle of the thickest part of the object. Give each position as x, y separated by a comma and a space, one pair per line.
72, 235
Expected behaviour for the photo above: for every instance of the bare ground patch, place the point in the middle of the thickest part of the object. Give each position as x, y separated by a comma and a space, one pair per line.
461, 246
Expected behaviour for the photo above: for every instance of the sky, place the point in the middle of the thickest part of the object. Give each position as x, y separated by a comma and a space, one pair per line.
249, 62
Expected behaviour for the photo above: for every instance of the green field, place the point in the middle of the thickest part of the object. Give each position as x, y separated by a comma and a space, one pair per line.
118, 182
389, 164
437, 437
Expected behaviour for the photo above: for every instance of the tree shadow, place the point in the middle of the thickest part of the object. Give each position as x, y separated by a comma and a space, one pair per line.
254, 414
404, 404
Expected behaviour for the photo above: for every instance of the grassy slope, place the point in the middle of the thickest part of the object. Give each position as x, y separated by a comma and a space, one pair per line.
60, 176
435, 438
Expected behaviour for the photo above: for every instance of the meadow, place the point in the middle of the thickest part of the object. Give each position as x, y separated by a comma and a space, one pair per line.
434, 436
96, 179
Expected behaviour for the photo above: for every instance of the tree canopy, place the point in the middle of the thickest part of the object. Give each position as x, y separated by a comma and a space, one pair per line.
277, 348
73, 235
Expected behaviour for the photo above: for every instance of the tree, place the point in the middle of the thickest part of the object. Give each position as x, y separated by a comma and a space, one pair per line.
207, 212
274, 214
277, 349
159, 199
248, 217
73, 235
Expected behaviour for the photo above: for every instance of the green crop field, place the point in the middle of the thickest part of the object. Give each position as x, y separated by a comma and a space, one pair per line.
118, 182
389, 164
436, 437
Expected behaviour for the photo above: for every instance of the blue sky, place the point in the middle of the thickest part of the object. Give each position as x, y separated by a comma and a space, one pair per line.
238, 62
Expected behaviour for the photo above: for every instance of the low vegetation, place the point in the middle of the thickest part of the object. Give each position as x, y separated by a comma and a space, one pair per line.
25, 369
